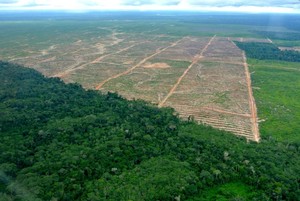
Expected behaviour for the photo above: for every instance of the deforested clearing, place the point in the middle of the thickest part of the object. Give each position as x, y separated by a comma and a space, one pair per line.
202, 77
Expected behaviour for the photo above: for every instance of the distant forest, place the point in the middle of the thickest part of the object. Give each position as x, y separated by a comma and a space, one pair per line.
268, 51
290, 22
61, 142
290, 36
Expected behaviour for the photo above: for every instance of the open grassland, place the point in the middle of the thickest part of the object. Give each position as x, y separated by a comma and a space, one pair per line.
276, 86
186, 63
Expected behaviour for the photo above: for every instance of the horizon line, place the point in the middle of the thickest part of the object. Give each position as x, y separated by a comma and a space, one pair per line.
62, 10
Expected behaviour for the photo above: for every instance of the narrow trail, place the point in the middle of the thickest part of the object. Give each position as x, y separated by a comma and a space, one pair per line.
115, 38
120, 51
19, 58
269, 40
218, 110
225, 112
99, 86
252, 104
49, 59
195, 60
228, 62
68, 71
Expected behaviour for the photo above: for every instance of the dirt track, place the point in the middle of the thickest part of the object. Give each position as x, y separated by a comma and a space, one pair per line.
120, 51
269, 40
99, 86
252, 104
225, 112
63, 74
195, 60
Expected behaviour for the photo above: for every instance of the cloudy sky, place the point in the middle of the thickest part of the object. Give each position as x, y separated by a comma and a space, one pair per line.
285, 6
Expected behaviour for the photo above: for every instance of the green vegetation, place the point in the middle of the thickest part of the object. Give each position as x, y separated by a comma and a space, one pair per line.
230, 191
276, 90
61, 142
22, 38
24, 34
290, 36
276, 84
285, 43
221, 97
268, 51
282, 37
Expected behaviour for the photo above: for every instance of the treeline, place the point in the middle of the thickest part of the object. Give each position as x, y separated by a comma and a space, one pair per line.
61, 142
268, 51
290, 36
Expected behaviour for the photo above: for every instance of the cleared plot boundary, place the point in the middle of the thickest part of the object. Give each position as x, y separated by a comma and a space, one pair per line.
252, 104
185, 72
225, 111
223, 125
99, 86
251, 100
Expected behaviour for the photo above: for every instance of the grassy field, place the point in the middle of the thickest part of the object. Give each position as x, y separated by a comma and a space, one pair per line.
276, 88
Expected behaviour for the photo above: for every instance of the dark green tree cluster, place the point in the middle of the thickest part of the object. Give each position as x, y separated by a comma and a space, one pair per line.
268, 51
61, 142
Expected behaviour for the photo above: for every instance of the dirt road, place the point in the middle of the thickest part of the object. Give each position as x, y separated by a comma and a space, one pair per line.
120, 51
252, 104
195, 60
99, 86
68, 71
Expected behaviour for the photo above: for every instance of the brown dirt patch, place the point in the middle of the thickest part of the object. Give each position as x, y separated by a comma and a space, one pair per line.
156, 65
128, 62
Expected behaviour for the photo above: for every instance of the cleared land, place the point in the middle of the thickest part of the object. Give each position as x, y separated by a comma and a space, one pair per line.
203, 78
215, 90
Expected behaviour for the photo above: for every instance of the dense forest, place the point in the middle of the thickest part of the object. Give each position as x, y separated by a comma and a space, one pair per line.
268, 51
61, 142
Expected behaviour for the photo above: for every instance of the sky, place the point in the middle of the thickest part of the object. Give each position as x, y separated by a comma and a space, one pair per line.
256, 6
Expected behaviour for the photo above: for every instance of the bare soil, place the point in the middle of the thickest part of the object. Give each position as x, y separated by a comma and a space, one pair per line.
156, 65
158, 51
252, 104
195, 60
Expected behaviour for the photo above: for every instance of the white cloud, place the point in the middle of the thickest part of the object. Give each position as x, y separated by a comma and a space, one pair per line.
268, 3
8, 1
218, 5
